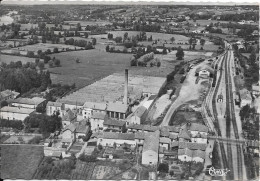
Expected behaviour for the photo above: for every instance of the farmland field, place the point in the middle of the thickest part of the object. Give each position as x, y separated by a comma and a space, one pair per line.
20, 161
9, 58
104, 172
83, 170
16, 139
94, 65
91, 23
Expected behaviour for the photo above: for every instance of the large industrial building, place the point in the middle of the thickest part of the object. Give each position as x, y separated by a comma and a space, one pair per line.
112, 94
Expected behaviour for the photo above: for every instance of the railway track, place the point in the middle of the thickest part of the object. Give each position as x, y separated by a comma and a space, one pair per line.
231, 117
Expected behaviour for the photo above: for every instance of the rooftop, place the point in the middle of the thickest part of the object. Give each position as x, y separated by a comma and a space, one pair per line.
192, 146
33, 101
95, 105
114, 122
55, 104
111, 88
151, 142
7, 92
140, 111
142, 127
98, 115
117, 107
197, 127
16, 110
118, 136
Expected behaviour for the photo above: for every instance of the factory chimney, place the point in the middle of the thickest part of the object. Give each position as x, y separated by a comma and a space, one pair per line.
126, 87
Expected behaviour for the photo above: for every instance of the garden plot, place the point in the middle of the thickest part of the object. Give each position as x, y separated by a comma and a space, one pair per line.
104, 172
83, 170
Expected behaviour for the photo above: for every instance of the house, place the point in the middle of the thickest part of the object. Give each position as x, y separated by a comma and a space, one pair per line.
184, 135
82, 129
139, 138
8, 94
141, 128
89, 108
150, 152
33, 103
111, 138
68, 117
114, 125
15, 113
256, 90
97, 121
165, 143
68, 135
53, 107
198, 156
245, 97
117, 110
255, 33
185, 155
138, 116
196, 128
192, 146
204, 71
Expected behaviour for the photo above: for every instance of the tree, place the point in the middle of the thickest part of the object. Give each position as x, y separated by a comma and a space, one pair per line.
172, 39
180, 53
86, 35
107, 48
118, 39
125, 35
164, 51
30, 54
37, 60
94, 41
55, 50
46, 59
41, 65
163, 167
4, 103
57, 62
51, 63
202, 43
48, 51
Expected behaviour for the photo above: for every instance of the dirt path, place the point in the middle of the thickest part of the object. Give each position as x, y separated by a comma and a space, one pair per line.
189, 91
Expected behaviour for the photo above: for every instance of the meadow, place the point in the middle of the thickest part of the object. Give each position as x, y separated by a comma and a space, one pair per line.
94, 65
10, 58
20, 161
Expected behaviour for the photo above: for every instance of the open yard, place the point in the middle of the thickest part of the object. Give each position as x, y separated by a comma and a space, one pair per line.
20, 161
182, 117
10, 58
94, 65
19, 139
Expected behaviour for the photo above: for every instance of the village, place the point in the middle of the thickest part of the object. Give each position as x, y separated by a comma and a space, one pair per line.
125, 95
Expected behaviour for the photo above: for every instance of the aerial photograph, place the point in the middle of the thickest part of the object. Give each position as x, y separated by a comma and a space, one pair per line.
129, 91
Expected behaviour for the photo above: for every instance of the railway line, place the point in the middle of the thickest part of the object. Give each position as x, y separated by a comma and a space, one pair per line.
231, 117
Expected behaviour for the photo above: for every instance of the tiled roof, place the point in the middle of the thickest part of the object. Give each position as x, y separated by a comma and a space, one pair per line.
82, 127
245, 94
7, 92
184, 134
56, 104
114, 122
99, 115
140, 135
68, 116
165, 140
256, 88
117, 136
185, 151
142, 127
174, 143
151, 142
16, 110
192, 146
95, 105
166, 130
197, 127
199, 153
71, 127
173, 136
33, 101
117, 107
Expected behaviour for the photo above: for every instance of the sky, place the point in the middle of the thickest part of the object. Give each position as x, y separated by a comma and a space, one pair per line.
190, 2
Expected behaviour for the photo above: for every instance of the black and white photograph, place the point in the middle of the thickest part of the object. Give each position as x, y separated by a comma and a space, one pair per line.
129, 90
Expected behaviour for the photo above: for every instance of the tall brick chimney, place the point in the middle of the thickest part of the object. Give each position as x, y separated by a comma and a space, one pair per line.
126, 87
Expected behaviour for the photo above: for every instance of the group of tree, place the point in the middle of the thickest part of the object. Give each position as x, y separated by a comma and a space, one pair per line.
54, 62
16, 124
82, 43
44, 123
22, 78
180, 53
58, 91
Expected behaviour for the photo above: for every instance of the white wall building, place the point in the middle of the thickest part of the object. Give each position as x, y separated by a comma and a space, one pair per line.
15, 113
